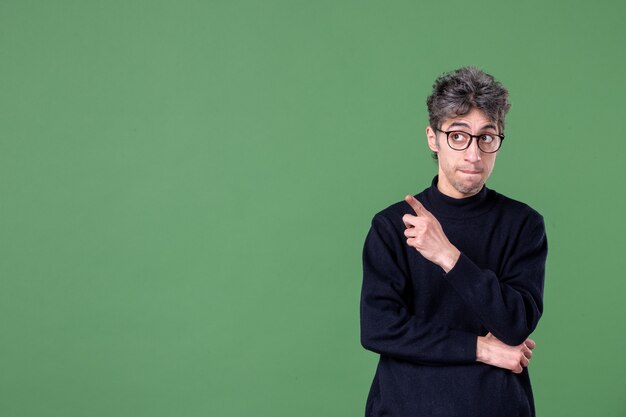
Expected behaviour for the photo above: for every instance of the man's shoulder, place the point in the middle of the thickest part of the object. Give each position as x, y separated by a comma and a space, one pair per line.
392, 214
512, 214
515, 207
394, 210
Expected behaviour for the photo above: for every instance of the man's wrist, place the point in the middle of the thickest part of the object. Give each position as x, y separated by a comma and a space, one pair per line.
480, 351
450, 259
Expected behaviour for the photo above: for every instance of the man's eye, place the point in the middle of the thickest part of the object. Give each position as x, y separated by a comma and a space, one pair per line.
458, 137
486, 138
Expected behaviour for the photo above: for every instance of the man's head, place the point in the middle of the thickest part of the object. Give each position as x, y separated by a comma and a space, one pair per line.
473, 102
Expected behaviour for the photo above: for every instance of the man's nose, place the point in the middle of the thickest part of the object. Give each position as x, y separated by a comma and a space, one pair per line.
472, 153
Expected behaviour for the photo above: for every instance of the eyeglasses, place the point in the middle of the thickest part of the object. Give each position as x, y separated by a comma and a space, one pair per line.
459, 140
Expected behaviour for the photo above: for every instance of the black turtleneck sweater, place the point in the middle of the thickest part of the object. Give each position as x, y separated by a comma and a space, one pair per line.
424, 323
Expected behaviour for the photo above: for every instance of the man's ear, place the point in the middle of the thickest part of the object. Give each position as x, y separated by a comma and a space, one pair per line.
433, 144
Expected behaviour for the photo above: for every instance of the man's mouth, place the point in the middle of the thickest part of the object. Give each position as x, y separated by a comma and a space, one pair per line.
471, 171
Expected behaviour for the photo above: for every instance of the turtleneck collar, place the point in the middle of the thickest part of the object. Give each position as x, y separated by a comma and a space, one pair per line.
458, 208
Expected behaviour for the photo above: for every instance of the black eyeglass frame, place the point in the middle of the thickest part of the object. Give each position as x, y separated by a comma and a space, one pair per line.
471, 138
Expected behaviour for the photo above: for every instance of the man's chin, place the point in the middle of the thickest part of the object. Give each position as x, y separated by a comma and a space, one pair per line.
469, 188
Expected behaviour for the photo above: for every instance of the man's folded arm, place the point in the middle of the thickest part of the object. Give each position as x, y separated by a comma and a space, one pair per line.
387, 326
509, 305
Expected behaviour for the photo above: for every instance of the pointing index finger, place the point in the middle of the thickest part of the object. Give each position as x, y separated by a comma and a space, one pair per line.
416, 205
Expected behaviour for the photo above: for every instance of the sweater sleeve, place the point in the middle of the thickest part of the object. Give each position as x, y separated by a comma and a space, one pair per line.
387, 326
510, 305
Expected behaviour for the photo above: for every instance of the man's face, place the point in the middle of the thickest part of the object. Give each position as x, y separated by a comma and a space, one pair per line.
463, 173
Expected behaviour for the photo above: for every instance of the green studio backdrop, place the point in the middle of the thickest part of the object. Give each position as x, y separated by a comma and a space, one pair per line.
185, 188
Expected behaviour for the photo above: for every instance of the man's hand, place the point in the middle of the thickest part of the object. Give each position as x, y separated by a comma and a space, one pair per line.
425, 234
493, 352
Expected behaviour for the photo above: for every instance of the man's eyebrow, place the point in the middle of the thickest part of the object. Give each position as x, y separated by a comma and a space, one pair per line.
454, 124
463, 124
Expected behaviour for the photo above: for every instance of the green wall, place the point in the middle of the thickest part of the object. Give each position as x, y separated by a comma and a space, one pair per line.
185, 188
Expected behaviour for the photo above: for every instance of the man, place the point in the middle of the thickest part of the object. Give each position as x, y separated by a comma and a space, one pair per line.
453, 276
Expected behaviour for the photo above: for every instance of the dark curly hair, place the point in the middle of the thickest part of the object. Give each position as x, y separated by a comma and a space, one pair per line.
455, 93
